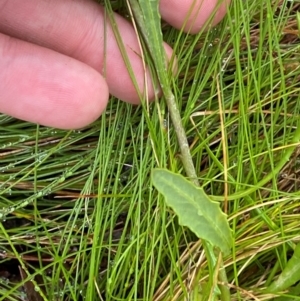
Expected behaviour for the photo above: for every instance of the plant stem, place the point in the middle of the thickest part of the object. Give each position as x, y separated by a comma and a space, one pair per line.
181, 137
189, 168
147, 17
225, 292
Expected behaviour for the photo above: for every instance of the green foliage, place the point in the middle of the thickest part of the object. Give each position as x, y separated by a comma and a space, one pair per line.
147, 16
96, 230
289, 276
194, 208
292, 295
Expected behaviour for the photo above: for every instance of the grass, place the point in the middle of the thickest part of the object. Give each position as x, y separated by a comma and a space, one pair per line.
96, 229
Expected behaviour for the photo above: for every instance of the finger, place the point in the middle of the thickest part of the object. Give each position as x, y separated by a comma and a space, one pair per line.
45, 87
77, 28
194, 12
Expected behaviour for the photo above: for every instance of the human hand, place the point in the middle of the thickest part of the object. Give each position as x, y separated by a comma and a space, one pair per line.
52, 57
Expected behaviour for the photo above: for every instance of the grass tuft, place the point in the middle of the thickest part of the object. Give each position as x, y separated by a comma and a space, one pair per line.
95, 228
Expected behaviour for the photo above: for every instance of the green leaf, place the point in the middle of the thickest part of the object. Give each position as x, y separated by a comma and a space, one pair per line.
194, 208
146, 13
290, 274
292, 295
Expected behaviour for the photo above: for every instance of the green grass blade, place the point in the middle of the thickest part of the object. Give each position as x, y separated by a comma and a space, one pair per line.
291, 295
194, 209
289, 276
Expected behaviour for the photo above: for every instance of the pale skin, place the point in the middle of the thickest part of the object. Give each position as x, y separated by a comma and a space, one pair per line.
52, 57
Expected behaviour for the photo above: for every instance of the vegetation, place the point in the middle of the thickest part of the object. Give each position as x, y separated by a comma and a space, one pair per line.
95, 228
